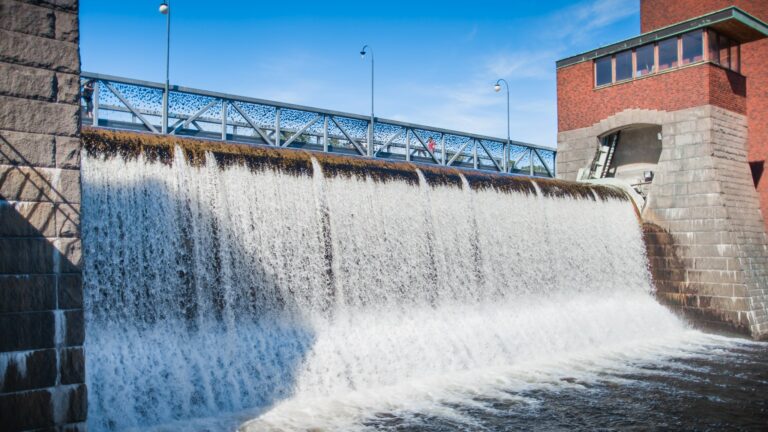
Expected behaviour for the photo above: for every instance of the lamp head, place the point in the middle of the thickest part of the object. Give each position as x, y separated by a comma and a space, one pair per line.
497, 87
164, 8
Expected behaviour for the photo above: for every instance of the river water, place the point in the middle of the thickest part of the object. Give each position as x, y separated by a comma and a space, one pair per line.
228, 297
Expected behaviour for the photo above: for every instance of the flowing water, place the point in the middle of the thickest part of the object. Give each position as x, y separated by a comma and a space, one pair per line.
236, 297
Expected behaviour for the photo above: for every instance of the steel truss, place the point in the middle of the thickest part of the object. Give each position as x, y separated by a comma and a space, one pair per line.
123, 103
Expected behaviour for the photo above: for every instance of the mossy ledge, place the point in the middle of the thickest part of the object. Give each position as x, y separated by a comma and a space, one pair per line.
336, 165
504, 183
160, 148
558, 188
111, 143
440, 176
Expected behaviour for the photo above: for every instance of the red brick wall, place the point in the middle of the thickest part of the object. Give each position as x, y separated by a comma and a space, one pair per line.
580, 105
755, 68
655, 14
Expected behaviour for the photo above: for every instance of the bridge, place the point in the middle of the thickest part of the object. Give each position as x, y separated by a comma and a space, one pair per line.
122, 103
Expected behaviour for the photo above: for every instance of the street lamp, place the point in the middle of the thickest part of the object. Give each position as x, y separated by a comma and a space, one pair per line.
363, 52
165, 9
497, 88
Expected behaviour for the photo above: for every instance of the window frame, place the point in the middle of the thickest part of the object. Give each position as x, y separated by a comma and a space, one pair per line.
711, 52
681, 57
676, 62
653, 69
631, 66
610, 80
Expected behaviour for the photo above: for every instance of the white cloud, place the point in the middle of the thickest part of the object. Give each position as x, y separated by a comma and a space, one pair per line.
575, 23
472, 34
521, 64
472, 105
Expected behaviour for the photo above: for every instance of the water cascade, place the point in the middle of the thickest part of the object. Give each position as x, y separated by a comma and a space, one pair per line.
219, 287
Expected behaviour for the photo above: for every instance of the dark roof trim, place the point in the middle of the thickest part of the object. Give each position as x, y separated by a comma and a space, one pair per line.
728, 14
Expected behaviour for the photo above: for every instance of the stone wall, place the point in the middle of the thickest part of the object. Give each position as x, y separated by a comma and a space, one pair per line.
41, 312
706, 240
655, 14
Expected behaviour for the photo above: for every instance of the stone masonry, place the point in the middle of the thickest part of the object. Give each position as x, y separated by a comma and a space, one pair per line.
42, 372
706, 240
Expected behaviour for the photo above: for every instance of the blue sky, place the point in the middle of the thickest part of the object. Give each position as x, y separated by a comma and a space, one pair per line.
436, 62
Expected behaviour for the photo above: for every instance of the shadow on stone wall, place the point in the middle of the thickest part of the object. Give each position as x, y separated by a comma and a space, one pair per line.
757, 168
42, 366
677, 292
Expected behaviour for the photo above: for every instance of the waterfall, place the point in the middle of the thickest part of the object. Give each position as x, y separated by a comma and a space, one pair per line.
215, 288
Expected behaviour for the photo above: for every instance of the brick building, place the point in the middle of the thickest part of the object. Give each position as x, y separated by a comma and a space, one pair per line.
680, 114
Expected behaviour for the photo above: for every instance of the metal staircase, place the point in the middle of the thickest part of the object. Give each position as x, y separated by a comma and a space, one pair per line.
603, 158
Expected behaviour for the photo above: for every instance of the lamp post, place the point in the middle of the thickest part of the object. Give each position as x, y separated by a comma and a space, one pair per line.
363, 52
165, 9
497, 88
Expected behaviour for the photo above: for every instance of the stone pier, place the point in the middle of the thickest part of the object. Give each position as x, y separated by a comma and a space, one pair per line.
705, 233
42, 367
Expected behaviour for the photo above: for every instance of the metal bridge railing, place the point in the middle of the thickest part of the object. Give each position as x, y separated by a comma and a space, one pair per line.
123, 103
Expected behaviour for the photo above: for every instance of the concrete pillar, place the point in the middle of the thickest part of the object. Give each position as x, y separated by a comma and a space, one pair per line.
42, 363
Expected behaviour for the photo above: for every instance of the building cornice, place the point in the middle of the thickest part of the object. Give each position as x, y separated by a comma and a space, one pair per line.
731, 21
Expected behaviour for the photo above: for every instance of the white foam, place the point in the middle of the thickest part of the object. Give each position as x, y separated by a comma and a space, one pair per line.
19, 362
208, 291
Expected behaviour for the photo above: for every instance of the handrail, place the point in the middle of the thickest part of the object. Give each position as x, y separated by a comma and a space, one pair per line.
273, 133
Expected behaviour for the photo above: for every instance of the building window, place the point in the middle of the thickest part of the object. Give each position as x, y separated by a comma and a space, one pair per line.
724, 51
725, 47
603, 71
693, 47
689, 48
714, 52
667, 54
623, 65
735, 57
645, 60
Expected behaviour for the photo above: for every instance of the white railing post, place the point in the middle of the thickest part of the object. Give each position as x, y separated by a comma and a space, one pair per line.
408, 145
554, 164
370, 137
223, 119
277, 127
95, 113
530, 161
505, 157
164, 126
442, 149
325, 133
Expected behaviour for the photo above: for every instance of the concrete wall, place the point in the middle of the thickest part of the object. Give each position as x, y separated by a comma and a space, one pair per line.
41, 312
707, 244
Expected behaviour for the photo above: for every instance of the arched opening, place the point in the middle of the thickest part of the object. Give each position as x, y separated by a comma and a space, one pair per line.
630, 154
636, 154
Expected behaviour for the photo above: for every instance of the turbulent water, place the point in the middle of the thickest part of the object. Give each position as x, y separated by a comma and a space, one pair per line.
301, 301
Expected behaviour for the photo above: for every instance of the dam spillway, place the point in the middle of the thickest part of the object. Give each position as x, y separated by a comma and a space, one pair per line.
219, 280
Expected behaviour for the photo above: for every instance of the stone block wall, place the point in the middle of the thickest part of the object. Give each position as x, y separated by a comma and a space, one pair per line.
655, 14
707, 244
42, 372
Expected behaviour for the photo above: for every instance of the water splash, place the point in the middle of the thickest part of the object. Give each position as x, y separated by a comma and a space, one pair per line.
212, 290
